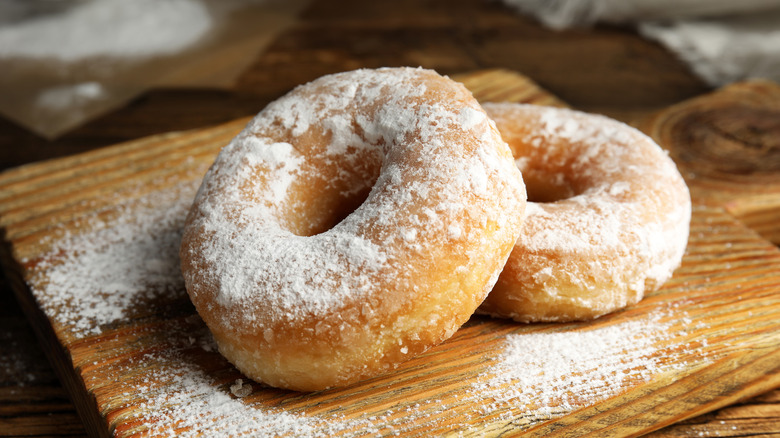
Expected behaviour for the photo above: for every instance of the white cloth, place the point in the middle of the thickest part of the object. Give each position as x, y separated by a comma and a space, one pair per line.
721, 40
724, 50
65, 62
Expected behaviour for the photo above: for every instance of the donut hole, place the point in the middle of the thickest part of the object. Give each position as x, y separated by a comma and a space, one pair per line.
546, 188
343, 207
322, 206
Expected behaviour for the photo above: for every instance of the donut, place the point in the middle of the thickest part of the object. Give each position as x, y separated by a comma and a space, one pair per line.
354, 223
607, 218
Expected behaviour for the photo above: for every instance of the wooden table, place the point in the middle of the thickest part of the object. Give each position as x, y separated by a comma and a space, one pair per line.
605, 70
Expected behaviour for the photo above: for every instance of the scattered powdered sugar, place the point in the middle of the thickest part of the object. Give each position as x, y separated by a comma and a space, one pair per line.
96, 277
14, 364
177, 398
538, 375
21, 364
543, 375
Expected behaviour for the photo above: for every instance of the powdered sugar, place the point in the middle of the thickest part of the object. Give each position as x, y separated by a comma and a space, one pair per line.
334, 243
21, 363
166, 390
177, 398
546, 374
469, 118
281, 156
537, 375
96, 277
617, 223
251, 223
100, 277
313, 283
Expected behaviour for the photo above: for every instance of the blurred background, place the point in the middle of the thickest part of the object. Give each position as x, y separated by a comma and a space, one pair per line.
71, 64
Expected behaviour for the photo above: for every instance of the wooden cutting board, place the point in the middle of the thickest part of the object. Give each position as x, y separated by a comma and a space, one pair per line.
90, 241
727, 145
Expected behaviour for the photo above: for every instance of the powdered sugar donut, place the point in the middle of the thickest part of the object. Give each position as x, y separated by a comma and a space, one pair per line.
607, 218
353, 224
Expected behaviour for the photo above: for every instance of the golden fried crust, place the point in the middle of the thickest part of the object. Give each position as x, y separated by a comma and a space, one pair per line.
354, 223
607, 218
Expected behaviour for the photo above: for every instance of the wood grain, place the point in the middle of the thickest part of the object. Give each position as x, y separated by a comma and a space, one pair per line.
727, 146
757, 417
724, 302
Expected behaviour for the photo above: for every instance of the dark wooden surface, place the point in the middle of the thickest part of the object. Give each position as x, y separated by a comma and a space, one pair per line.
606, 70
